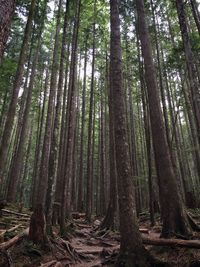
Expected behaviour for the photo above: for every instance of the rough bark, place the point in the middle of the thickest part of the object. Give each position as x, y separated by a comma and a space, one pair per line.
111, 219
20, 153
43, 181
16, 86
173, 215
53, 159
132, 251
6, 13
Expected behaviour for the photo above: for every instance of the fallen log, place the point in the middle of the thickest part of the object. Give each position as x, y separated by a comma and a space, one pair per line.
15, 213
9, 230
171, 242
14, 240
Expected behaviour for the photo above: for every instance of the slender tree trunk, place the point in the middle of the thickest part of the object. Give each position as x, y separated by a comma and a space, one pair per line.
195, 13
43, 181
194, 85
16, 86
37, 231
111, 219
71, 122
19, 156
102, 156
89, 149
81, 171
39, 144
53, 159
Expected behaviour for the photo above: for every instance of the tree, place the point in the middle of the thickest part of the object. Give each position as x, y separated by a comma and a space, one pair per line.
6, 13
16, 87
173, 215
38, 216
132, 251
89, 153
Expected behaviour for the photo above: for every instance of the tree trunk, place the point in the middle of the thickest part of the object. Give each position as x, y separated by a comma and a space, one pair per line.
53, 159
89, 148
132, 251
37, 231
81, 171
191, 69
16, 86
173, 215
71, 123
6, 12
43, 176
19, 156
195, 13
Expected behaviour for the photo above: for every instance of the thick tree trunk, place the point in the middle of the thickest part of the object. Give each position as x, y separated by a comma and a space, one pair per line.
6, 12
173, 215
132, 251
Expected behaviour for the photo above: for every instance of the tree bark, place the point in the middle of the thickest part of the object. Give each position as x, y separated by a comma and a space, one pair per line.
71, 122
173, 215
89, 148
6, 14
16, 86
19, 156
81, 170
132, 251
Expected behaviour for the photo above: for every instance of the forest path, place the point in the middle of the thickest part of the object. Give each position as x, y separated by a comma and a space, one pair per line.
87, 246
96, 245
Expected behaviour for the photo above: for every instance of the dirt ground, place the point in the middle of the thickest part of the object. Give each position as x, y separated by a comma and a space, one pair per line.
86, 246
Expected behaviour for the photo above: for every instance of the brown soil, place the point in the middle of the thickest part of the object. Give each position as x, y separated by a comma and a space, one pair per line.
87, 248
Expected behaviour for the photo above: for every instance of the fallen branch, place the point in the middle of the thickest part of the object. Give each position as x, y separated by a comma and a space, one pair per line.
15, 213
49, 264
14, 240
9, 230
171, 242
144, 230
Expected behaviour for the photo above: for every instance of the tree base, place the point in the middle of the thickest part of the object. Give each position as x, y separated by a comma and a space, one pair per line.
37, 229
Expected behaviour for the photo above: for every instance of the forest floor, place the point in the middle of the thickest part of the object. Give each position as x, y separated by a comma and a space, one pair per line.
85, 247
